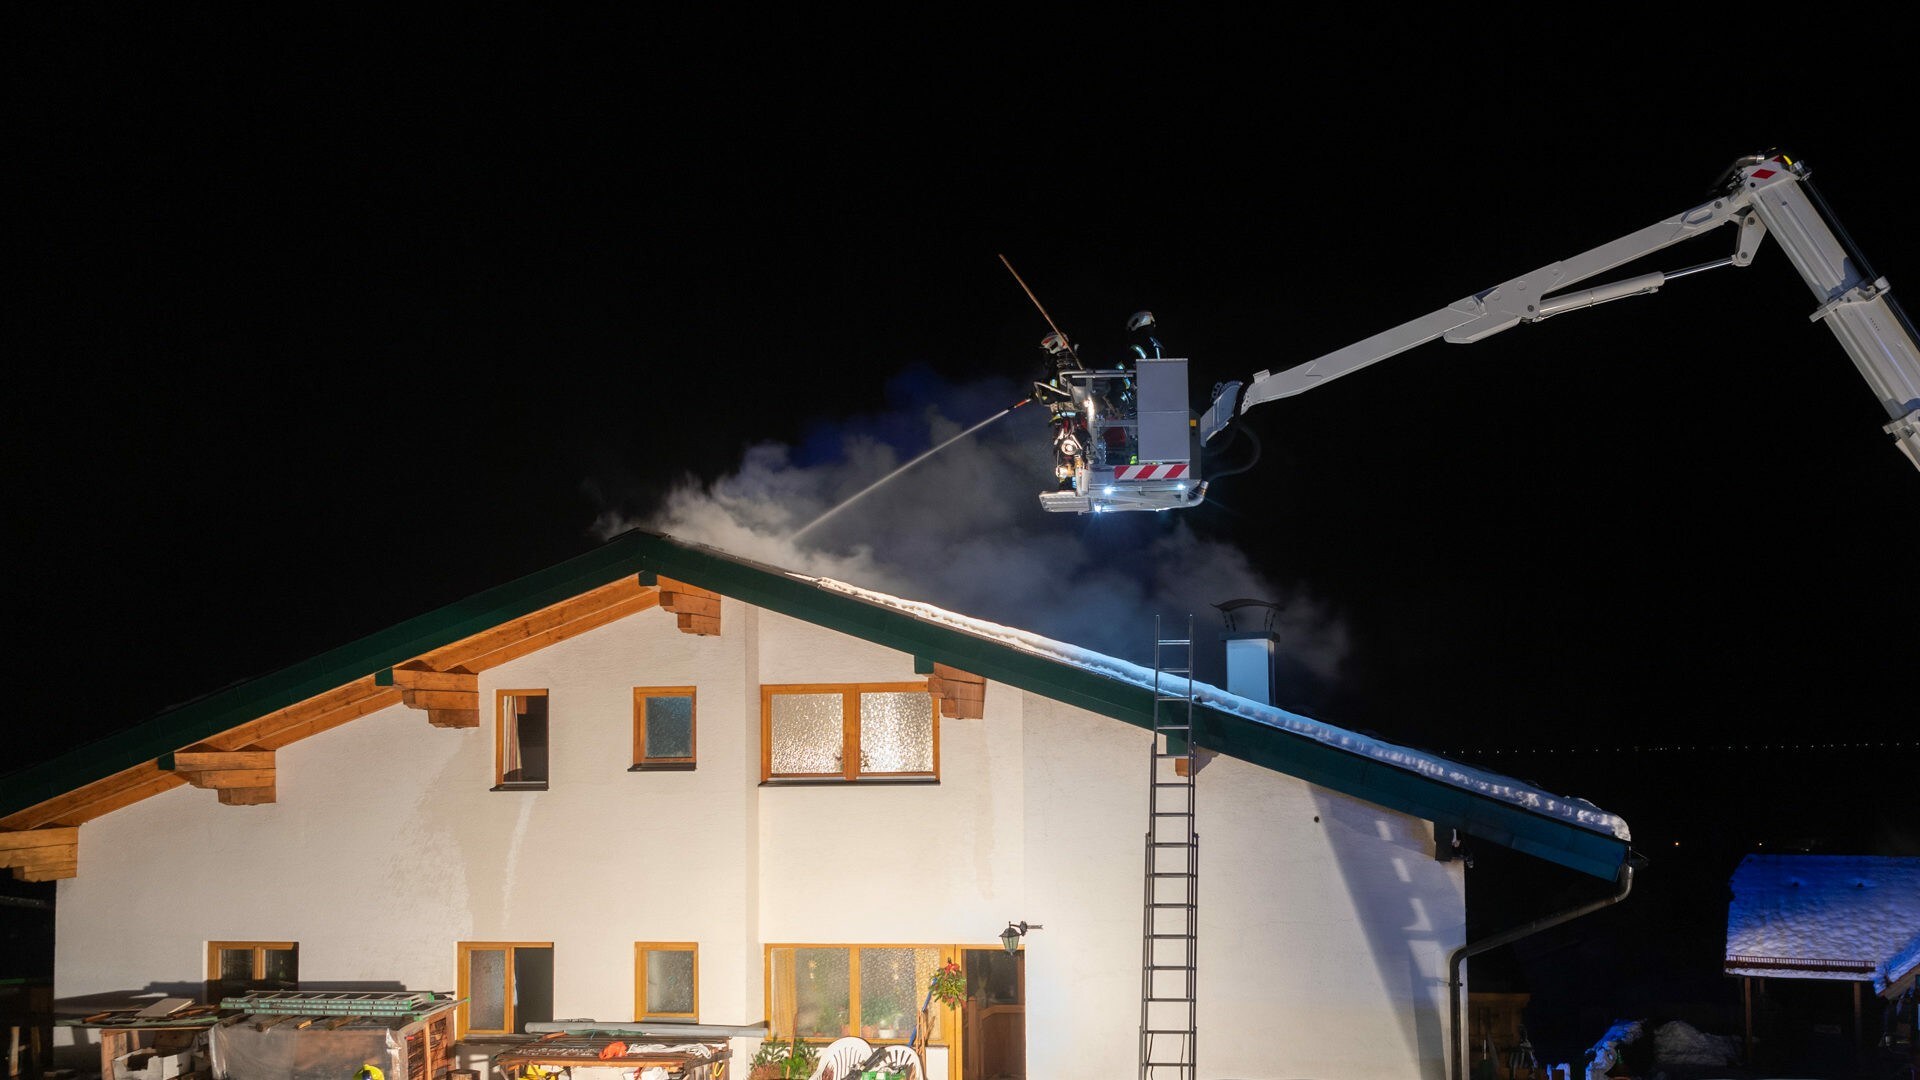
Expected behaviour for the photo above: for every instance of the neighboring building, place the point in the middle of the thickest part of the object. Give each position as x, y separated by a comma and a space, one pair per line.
661, 781
1849, 922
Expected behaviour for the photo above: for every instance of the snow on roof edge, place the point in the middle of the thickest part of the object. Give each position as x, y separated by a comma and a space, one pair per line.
1489, 784
1898, 967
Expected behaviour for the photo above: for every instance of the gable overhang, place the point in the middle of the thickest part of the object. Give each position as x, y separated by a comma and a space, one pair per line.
340, 682
643, 559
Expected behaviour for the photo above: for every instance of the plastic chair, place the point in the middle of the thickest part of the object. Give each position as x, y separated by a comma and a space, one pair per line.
841, 1057
903, 1057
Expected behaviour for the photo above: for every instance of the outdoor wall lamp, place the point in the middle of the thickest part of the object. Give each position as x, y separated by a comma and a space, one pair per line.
1010, 937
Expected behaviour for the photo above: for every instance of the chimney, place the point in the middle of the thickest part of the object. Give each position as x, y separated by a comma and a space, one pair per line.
1251, 648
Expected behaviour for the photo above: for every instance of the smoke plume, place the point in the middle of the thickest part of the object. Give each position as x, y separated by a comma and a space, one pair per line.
963, 530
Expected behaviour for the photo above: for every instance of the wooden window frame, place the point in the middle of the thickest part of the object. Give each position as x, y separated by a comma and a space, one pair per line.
644, 763
850, 771
260, 950
640, 951
500, 781
774, 1023
464, 982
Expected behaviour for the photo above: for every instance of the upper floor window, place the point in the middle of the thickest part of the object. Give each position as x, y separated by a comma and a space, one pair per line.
520, 740
242, 967
663, 727
849, 731
666, 980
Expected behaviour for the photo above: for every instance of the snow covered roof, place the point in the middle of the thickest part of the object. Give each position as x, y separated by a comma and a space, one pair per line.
1480, 781
1847, 917
1896, 972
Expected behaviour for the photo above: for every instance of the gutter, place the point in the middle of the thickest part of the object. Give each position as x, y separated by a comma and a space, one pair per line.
1623, 885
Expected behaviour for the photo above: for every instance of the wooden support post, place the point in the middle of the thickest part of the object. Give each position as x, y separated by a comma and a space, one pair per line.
1746, 1008
113, 1043
1859, 1032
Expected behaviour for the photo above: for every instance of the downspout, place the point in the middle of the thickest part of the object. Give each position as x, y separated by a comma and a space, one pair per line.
1624, 883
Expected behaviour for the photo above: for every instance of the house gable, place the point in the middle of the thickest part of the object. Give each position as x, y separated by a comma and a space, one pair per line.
639, 570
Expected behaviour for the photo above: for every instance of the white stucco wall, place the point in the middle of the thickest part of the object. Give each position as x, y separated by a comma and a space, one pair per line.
1325, 923
385, 847
937, 864
1324, 928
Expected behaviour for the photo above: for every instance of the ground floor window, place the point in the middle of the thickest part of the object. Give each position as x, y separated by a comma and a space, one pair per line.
666, 980
505, 985
243, 967
822, 992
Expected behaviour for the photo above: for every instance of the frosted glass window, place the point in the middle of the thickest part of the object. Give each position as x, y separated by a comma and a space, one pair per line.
669, 985
508, 985
823, 983
824, 992
896, 732
487, 989
850, 731
806, 734
887, 1000
663, 727
670, 727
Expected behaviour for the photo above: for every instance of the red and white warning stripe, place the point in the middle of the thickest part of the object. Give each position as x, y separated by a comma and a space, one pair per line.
1149, 472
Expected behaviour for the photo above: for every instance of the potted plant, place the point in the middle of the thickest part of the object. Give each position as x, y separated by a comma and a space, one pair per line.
948, 985
777, 1060
946, 989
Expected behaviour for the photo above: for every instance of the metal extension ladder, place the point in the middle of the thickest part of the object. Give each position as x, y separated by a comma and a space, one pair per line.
1168, 1007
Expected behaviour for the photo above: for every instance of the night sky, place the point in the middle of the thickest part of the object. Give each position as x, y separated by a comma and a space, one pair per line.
317, 327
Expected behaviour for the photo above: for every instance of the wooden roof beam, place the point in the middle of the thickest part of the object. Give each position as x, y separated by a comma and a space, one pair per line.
451, 698
963, 695
696, 610
41, 854
250, 771
103, 796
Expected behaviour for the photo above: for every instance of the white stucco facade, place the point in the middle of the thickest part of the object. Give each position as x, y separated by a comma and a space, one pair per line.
1325, 922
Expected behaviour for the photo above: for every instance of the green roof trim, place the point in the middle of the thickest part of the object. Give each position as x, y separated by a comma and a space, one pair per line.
1495, 820
648, 555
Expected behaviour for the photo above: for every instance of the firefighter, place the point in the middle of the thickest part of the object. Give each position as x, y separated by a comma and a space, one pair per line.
1069, 427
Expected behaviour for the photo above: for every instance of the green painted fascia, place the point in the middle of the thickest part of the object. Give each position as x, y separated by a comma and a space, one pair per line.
649, 555
1494, 820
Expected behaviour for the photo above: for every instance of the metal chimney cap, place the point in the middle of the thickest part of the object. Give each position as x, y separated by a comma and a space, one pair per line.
1229, 607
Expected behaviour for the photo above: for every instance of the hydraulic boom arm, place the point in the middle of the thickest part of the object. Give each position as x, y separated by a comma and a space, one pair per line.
1764, 194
